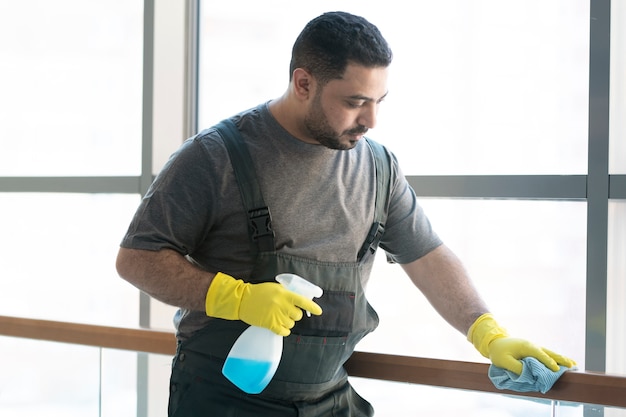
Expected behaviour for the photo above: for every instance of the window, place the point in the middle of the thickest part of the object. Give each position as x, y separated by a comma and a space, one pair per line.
60, 262
71, 88
70, 129
616, 285
489, 89
475, 88
487, 96
492, 89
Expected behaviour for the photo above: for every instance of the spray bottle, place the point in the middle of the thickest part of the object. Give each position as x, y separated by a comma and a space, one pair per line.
255, 355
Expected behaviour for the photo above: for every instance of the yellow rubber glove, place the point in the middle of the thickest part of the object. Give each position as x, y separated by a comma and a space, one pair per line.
267, 304
494, 343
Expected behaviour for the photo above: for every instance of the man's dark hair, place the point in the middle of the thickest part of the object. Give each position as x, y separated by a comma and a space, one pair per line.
329, 42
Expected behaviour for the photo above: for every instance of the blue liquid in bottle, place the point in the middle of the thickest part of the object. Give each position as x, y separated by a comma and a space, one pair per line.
250, 376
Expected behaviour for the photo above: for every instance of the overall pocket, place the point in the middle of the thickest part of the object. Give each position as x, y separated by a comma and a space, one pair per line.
337, 316
319, 345
311, 359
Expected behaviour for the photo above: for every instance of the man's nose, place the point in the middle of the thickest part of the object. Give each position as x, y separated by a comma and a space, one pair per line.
368, 116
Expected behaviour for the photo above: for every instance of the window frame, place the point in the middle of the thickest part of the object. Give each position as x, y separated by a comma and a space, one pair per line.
598, 188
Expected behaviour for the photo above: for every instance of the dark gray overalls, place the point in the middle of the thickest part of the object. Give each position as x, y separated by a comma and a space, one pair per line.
310, 380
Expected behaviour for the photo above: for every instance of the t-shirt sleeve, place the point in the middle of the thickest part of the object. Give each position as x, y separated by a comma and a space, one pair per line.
408, 233
176, 212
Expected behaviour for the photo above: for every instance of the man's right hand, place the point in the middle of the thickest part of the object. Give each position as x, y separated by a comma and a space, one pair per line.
266, 304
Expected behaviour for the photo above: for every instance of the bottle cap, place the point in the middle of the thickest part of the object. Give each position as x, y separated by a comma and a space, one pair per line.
299, 285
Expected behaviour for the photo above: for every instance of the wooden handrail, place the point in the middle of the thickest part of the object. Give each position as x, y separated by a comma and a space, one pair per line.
141, 340
575, 386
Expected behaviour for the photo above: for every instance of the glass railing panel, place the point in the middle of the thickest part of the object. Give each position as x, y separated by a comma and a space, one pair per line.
118, 383
49, 379
408, 400
614, 412
157, 388
68, 380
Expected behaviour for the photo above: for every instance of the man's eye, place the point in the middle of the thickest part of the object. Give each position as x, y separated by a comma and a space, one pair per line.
355, 104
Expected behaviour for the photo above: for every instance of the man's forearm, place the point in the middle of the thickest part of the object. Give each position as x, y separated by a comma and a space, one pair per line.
441, 277
165, 275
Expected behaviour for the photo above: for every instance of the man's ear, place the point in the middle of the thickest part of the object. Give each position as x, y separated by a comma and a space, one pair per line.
303, 83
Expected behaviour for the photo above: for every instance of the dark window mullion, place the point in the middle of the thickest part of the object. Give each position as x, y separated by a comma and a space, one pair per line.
598, 184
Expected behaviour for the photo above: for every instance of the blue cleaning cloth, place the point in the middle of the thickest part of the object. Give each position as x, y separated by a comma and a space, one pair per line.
535, 377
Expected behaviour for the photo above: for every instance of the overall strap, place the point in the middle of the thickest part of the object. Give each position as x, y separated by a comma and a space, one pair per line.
383, 189
259, 217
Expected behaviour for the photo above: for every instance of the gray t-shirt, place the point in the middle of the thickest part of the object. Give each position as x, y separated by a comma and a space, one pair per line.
321, 200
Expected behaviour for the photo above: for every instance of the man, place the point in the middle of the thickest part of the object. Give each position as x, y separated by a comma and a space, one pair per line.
197, 243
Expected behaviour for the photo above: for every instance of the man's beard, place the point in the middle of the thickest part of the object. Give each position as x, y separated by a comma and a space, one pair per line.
318, 128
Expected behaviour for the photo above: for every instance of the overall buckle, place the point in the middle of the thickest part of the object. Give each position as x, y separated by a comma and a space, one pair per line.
373, 239
260, 221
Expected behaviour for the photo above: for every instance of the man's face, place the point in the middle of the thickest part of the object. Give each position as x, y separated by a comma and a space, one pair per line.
342, 111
